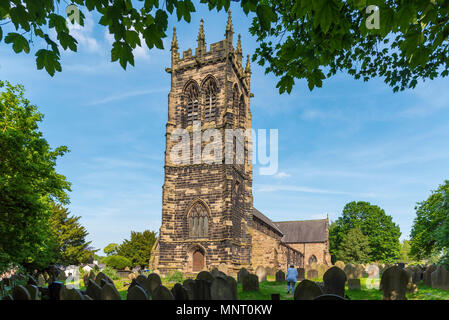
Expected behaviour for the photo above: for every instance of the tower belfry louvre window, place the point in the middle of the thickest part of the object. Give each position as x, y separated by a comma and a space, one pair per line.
210, 99
191, 102
242, 110
198, 221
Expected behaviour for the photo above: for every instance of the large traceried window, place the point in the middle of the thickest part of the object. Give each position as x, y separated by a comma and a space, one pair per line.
210, 99
191, 103
198, 221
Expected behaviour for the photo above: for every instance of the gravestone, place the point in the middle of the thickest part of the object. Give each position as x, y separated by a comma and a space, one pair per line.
250, 283
205, 275
271, 271
394, 283
198, 289
140, 279
440, 278
70, 294
101, 276
136, 293
354, 284
340, 264
33, 291
109, 292
351, 271
360, 271
20, 293
220, 289
180, 292
334, 281
153, 281
189, 285
280, 276
307, 290
261, 273
301, 273
427, 280
322, 268
372, 270
411, 287
217, 273
162, 293
312, 274
53, 290
233, 283
241, 274
93, 290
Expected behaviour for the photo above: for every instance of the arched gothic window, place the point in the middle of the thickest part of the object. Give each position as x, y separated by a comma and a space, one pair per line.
191, 102
312, 259
210, 99
242, 114
198, 221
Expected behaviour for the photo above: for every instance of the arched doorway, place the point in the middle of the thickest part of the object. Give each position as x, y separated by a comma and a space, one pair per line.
198, 260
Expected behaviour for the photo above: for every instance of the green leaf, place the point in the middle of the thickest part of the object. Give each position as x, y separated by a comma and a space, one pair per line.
49, 60
265, 15
19, 43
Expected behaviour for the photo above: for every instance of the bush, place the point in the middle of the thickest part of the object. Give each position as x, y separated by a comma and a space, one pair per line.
117, 262
111, 273
175, 276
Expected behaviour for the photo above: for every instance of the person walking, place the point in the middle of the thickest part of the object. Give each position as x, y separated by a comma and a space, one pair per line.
292, 275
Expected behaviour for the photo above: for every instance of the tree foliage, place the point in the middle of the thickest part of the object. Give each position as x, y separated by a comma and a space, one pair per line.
117, 262
383, 234
138, 248
405, 252
29, 183
111, 249
430, 230
70, 236
354, 247
298, 39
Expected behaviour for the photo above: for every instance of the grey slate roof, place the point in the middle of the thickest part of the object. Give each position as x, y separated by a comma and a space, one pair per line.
303, 231
264, 218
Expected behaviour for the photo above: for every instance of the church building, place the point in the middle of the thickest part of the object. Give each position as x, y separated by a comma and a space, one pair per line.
208, 218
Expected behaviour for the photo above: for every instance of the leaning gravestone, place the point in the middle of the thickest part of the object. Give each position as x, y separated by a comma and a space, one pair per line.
394, 283
312, 274
205, 275
140, 279
220, 289
233, 285
250, 283
280, 276
20, 293
136, 293
180, 292
162, 293
241, 274
101, 276
307, 290
301, 273
33, 291
354, 284
440, 278
153, 281
93, 290
334, 281
351, 271
427, 280
70, 294
261, 273
109, 292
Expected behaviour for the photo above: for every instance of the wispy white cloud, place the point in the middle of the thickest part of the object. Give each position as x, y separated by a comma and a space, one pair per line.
282, 174
125, 95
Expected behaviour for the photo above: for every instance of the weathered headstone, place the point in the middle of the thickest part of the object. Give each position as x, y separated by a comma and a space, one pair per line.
322, 268
53, 290
109, 292
241, 274
162, 293
93, 290
354, 284
137, 293
189, 285
427, 280
198, 289
101, 276
33, 291
220, 289
140, 279
411, 287
307, 290
180, 292
20, 293
250, 283
351, 271
334, 281
340, 264
301, 273
372, 270
152, 282
261, 273
360, 271
312, 274
233, 283
205, 275
280, 276
394, 283
217, 273
440, 278
70, 294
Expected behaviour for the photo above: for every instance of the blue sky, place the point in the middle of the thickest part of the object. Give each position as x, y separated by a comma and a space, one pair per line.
350, 140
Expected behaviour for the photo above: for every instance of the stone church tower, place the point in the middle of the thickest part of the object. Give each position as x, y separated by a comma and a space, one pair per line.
206, 207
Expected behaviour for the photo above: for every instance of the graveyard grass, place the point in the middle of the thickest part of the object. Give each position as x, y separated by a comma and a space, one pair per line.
266, 288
